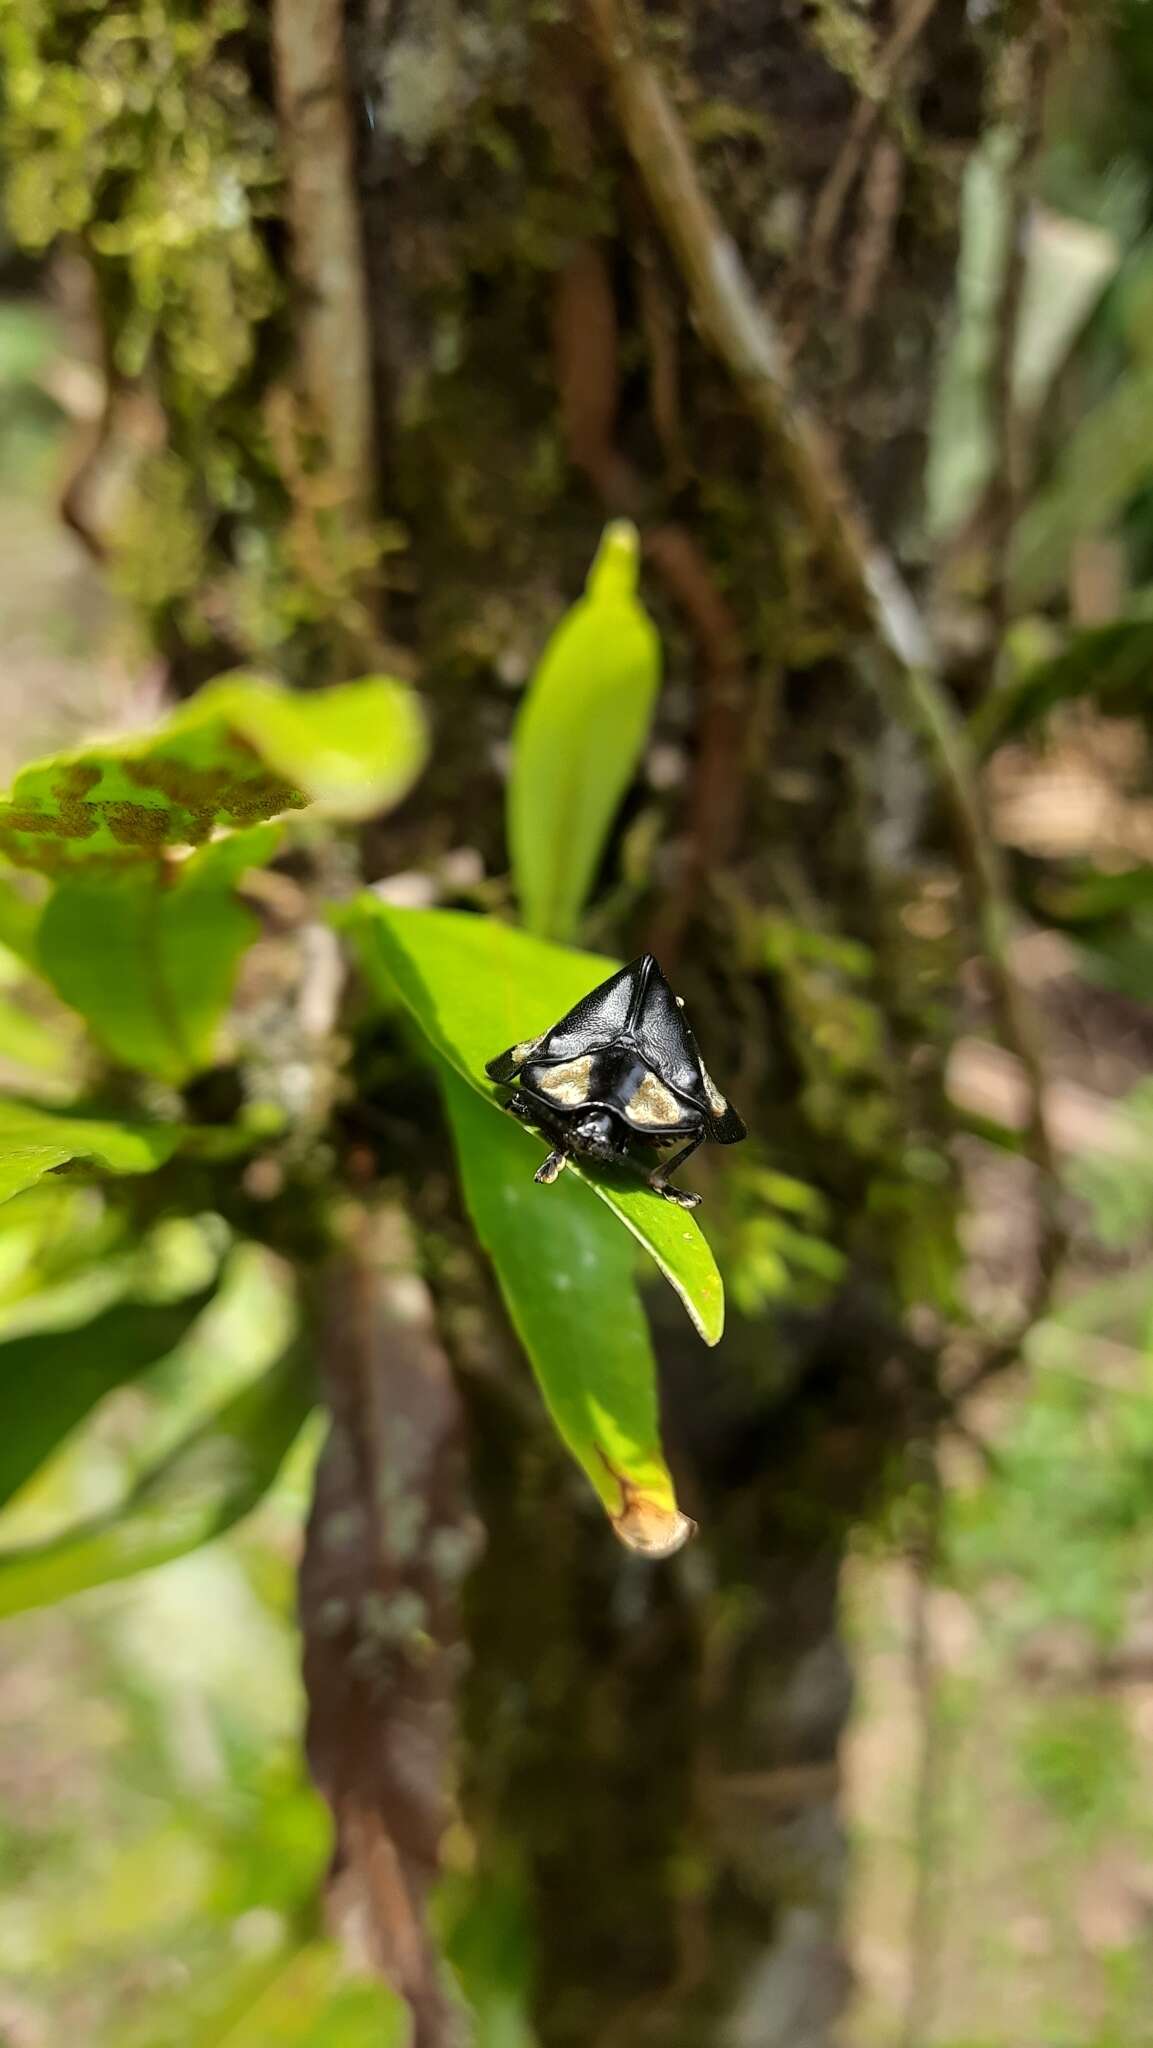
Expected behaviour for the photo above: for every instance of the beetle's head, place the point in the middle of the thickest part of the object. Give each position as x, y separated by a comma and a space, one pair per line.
596, 1135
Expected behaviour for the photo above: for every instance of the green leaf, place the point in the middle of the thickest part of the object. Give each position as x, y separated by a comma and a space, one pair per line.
1112, 664
1095, 898
51, 1379
212, 1479
579, 737
1103, 462
474, 987
27, 1041
243, 751
35, 1141
568, 1280
149, 956
19, 922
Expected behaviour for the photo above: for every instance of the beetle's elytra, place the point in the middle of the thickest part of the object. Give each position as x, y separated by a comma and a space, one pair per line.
618, 1077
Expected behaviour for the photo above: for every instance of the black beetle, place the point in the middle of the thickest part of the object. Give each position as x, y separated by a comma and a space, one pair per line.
618, 1076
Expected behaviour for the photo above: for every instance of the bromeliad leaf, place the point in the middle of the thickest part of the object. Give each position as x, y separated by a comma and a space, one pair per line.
212, 1479
149, 955
35, 1141
567, 1277
578, 738
51, 1379
242, 752
475, 986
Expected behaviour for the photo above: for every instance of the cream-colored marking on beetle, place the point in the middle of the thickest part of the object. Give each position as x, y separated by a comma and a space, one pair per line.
654, 1105
713, 1096
568, 1084
521, 1052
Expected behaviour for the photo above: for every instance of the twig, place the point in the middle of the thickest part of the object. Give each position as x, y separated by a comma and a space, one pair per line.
335, 352
585, 347
881, 205
1030, 61
390, 1536
875, 599
913, 17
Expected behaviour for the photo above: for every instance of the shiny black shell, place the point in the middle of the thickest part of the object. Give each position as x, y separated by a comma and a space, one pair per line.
626, 1047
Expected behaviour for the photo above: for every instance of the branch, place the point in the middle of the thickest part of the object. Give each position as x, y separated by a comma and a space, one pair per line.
389, 1539
875, 601
1028, 64
912, 18
585, 352
332, 321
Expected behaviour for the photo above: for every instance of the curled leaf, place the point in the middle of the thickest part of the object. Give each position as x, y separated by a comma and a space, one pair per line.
206, 1484
52, 1379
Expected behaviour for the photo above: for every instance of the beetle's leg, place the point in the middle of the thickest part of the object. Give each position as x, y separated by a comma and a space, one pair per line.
658, 1181
551, 1167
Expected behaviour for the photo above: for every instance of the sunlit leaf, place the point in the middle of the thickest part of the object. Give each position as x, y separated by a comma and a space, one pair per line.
50, 1380
149, 955
205, 1485
474, 987
579, 737
35, 1141
27, 1041
243, 751
300, 1997
567, 1275
19, 920
1111, 664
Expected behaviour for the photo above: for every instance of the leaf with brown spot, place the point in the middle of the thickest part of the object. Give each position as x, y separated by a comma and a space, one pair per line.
242, 752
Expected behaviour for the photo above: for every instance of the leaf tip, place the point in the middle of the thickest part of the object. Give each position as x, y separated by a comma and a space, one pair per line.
650, 1528
615, 564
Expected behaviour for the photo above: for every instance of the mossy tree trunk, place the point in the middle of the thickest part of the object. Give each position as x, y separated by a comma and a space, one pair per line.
392, 401
654, 1752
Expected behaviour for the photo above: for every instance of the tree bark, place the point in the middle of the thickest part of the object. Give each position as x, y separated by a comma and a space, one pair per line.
656, 1750
496, 315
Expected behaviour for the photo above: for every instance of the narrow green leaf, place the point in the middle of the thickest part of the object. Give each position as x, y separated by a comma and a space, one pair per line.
51, 1379
1112, 664
579, 737
568, 1281
475, 986
209, 1482
243, 751
149, 955
1104, 460
34, 1141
